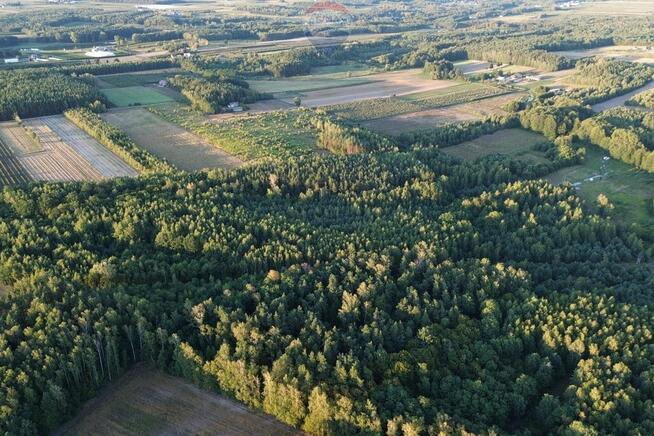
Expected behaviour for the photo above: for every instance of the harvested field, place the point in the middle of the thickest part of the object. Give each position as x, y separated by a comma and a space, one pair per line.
62, 152
471, 111
135, 96
183, 149
382, 85
471, 66
148, 402
303, 84
516, 143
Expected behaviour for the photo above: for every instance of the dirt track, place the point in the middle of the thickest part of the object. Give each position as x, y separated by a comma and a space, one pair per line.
622, 99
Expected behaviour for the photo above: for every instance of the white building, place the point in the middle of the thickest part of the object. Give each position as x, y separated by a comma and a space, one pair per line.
234, 107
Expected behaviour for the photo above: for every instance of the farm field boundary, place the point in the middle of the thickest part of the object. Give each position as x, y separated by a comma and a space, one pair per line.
166, 140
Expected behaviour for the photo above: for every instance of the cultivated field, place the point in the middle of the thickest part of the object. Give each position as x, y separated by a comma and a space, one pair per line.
380, 86
627, 188
632, 53
372, 109
60, 152
326, 77
136, 96
613, 8
134, 79
471, 66
471, 111
303, 84
516, 143
11, 170
148, 402
183, 149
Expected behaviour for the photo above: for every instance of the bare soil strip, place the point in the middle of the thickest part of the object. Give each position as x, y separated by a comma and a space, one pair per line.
148, 402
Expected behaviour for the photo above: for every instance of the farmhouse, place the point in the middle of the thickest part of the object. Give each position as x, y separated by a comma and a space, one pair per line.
11, 60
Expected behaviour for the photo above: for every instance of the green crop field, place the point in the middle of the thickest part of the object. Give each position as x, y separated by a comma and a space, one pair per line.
627, 188
278, 134
342, 70
303, 84
128, 80
135, 96
517, 143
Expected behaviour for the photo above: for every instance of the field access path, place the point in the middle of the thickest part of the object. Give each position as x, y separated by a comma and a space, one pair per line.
621, 99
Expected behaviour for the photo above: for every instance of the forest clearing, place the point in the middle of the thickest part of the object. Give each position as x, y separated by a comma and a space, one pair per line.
276, 134
627, 188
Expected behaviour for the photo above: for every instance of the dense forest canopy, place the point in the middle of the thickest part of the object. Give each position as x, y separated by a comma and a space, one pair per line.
359, 284
32, 93
354, 294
